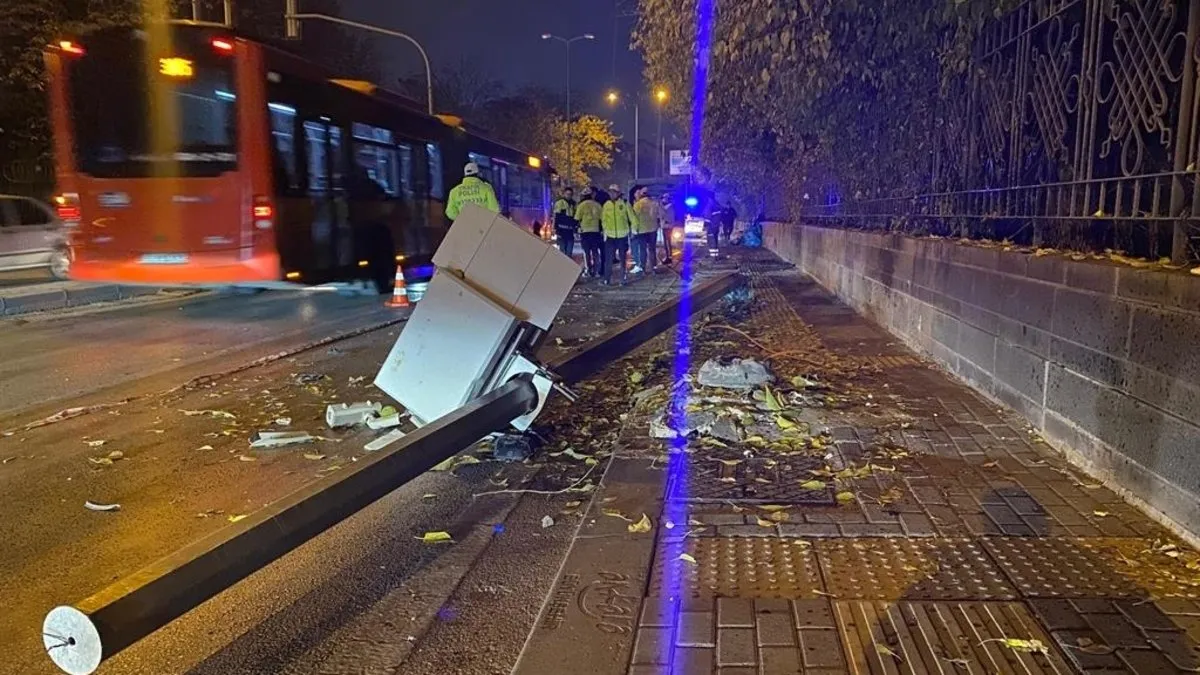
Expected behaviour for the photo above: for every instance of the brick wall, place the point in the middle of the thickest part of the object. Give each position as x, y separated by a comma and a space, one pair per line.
1104, 359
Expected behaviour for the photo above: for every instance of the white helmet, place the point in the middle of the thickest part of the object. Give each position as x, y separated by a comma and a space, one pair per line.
471, 169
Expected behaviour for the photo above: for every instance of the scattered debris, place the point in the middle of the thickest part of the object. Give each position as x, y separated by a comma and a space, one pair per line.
95, 444
93, 506
313, 456
339, 415
279, 439
210, 413
107, 460
234, 519
357, 380
736, 374
547, 521
384, 440
384, 422
283, 421
204, 447
437, 538
687, 558
247, 458
643, 525
307, 378
455, 462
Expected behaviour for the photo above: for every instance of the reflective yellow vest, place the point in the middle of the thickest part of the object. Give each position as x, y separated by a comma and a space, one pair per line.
472, 190
588, 213
616, 218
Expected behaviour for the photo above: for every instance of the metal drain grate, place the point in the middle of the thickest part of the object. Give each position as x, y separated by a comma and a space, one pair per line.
943, 637
737, 567
1076, 568
914, 569
756, 479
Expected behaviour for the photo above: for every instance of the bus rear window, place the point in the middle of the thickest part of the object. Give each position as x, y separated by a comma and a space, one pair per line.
139, 112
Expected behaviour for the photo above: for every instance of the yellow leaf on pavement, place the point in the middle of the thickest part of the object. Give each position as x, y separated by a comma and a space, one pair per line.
784, 423
436, 537
640, 526
845, 497
1100, 514
615, 513
636, 378
234, 519
884, 650
813, 485
770, 402
763, 522
687, 558
1031, 646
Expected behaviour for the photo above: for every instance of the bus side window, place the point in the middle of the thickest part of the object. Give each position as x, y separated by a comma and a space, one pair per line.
283, 148
318, 176
338, 154
437, 188
406, 171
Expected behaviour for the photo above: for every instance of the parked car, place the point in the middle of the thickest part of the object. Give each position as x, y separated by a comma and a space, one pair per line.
32, 237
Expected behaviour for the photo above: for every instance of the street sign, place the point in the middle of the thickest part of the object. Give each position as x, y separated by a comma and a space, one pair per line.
681, 162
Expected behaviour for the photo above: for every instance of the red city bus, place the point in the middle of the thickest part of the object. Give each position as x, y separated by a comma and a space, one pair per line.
187, 155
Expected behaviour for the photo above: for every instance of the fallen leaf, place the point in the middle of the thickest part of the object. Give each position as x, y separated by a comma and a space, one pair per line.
884, 650
436, 537
100, 461
95, 444
784, 423
283, 421
234, 519
965, 663
428, 495
455, 462
313, 456
640, 526
247, 458
813, 485
763, 522
779, 516
845, 497
1089, 646
636, 377
388, 411
93, 506
204, 447
687, 558
573, 504
1100, 514
614, 513
769, 401
1029, 646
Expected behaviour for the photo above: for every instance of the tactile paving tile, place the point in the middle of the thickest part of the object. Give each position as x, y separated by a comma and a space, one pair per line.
737, 567
915, 569
1091, 567
762, 480
942, 637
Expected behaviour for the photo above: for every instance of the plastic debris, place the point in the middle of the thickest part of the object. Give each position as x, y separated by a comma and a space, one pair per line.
547, 521
279, 439
93, 506
384, 440
95, 444
736, 374
339, 415
384, 422
283, 421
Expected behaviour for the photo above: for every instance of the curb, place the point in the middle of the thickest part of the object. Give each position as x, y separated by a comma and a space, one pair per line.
74, 297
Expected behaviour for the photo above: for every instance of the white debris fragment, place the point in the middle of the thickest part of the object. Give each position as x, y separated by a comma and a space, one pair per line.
385, 422
93, 506
95, 444
547, 521
211, 413
384, 440
349, 414
278, 439
283, 421
736, 374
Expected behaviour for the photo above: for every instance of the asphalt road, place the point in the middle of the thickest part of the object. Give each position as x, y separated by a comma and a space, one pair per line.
367, 588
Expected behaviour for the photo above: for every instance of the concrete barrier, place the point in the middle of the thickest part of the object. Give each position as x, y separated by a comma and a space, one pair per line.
1102, 358
61, 295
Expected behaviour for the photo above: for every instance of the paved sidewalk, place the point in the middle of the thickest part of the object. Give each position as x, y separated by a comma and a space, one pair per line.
868, 515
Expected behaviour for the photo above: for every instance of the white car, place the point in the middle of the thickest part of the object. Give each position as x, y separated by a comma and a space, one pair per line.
693, 228
32, 237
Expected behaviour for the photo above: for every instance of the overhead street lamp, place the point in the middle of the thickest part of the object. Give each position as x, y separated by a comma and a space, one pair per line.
292, 26
660, 99
568, 42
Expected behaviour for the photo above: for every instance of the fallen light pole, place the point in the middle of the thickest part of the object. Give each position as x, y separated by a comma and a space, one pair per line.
463, 368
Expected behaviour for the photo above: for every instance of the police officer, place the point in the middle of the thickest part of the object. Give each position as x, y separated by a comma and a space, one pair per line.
565, 224
706, 207
666, 213
588, 214
472, 190
645, 231
615, 218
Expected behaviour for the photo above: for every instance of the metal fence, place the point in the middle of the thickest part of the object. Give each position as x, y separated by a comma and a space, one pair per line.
1078, 126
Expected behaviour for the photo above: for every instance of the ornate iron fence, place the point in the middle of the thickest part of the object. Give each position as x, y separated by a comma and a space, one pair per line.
1078, 126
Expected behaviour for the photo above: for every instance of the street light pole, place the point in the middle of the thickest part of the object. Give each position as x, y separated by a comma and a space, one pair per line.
570, 138
292, 17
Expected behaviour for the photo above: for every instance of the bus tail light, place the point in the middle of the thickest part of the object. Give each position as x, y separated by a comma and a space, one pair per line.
263, 212
222, 45
72, 48
67, 208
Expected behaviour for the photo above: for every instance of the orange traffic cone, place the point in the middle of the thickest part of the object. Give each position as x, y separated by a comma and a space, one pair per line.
399, 290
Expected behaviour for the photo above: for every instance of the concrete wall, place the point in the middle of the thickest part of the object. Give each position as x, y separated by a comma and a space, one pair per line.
1104, 359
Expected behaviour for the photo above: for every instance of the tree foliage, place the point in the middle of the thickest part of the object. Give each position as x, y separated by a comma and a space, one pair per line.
818, 95
592, 143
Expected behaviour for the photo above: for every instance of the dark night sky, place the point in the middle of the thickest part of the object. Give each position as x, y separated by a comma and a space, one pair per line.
504, 36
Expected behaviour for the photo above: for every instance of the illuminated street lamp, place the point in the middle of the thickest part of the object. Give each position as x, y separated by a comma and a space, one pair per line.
568, 42
660, 98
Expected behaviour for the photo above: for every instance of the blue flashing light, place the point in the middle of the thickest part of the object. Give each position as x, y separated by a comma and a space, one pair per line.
691, 202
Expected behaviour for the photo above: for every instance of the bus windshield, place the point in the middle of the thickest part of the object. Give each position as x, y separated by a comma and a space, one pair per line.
139, 111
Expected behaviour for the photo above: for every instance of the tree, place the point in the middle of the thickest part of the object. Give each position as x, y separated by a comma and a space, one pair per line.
592, 143
464, 89
855, 91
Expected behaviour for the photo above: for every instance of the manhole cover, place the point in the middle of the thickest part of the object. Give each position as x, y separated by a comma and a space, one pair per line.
736, 567
756, 479
1076, 568
944, 637
917, 569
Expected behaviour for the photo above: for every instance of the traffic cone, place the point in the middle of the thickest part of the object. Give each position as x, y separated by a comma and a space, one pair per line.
399, 297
